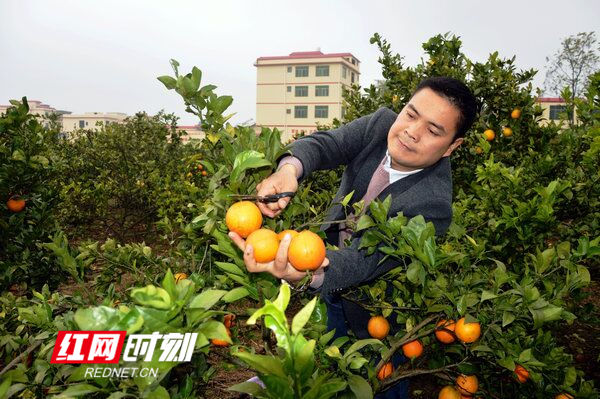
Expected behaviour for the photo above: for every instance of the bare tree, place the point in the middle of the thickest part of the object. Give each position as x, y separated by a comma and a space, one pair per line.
572, 64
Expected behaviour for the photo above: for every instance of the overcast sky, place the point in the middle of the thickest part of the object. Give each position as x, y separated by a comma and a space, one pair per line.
105, 55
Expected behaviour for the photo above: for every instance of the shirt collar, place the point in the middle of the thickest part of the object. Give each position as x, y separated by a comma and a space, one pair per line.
395, 175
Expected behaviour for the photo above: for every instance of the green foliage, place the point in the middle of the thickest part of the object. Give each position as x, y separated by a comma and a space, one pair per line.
121, 179
26, 169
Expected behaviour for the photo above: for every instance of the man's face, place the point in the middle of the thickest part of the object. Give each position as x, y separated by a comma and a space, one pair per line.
423, 132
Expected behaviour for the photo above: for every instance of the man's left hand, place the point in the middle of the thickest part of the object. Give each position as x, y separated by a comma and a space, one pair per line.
280, 267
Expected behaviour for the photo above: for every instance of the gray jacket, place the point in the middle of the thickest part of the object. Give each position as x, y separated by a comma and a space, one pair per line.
361, 145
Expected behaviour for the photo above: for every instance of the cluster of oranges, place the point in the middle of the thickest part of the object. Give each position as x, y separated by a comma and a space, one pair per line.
490, 135
15, 204
306, 250
447, 331
200, 169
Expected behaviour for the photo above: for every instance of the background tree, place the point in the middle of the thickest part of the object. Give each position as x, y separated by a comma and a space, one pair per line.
572, 64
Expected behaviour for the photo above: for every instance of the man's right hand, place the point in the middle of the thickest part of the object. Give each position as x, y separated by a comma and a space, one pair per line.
279, 182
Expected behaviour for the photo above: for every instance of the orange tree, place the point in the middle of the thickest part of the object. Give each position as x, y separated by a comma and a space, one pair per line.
525, 228
27, 198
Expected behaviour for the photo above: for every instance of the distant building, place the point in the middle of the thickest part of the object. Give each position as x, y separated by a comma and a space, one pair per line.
89, 120
297, 91
553, 110
38, 108
193, 133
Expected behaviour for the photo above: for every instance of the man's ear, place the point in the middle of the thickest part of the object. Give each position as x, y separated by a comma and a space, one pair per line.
453, 146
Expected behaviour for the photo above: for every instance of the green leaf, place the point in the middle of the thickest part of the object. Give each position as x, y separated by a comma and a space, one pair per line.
103, 318
525, 356
416, 273
77, 390
283, 299
507, 318
214, 329
196, 78
159, 393
169, 285
358, 345
245, 160
236, 294
206, 299
4, 387
230, 268
347, 198
359, 386
546, 314
485, 295
302, 317
251, 388
507, 363
263, 363
168, 81
152, 296
364, 222
570, 377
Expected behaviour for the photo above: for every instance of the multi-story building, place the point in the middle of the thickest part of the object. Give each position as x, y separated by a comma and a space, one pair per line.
39, 109
297, 91
553, 107
90, 120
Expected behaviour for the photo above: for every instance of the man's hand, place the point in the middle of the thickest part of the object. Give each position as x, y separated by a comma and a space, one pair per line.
279, 268
281, 181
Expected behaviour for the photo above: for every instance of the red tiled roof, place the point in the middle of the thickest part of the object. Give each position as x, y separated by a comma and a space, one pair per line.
550, 100
306, 54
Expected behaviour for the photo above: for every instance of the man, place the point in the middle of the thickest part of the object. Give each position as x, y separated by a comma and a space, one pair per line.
404, 155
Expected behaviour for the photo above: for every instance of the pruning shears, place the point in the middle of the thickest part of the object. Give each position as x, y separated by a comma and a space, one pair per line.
264, 198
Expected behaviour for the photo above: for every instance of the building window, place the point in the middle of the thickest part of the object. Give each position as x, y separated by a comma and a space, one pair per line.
321, 91
301, 111
352, 79
556, 110
344, 69
353, 61
322, 70
301, 91
321, 111
301, 71
81, 124
289, 89
86, 123
289, 69
288, 111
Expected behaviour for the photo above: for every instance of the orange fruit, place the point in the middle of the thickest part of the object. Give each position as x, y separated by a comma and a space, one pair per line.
467, 332
306, 251
221, 342
265, 244
200, 167
243, 217
15, 204
378, 327
522, 373
449, 392
385, 371
412, 349
441, 332
467, 384
563, 396
478, 150
489, 135
228, 320
507, 132
516, 113
180, 276
282, 234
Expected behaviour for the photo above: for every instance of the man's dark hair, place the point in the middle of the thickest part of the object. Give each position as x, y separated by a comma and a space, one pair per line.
459, 95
